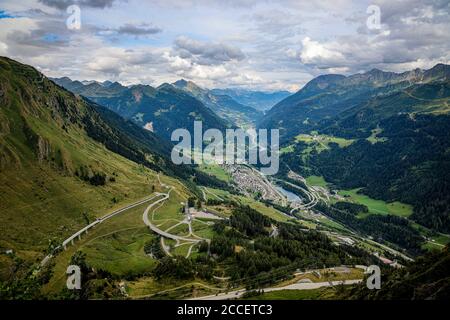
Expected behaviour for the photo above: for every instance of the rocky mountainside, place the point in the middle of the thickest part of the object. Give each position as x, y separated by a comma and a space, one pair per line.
160, 110
222, 104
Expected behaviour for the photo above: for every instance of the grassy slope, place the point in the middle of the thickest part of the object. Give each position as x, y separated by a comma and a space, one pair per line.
116, 245
215, 170
43, 145
101, 242
314, 294
321, 142
316, 181
378, 206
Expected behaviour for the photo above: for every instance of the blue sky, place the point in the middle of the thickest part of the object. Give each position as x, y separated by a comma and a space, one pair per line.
4, 15
264, 45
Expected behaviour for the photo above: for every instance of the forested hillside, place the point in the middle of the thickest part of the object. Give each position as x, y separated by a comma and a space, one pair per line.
397, 141
425, 279
327, 96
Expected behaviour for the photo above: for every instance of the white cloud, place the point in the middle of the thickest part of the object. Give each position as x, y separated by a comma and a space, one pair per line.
3, 48
314, 52
208, 52
254, 44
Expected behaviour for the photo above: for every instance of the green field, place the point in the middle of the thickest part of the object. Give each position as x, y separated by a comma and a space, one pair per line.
437, 242
216, 194
215, 170
431, 246
170, 210
169, 288
265, 210
180, 230
120, 239
182, 250
121, 253
322, 142
202, 229
374, 136
316, 181
442, 239
377, 206
325, 221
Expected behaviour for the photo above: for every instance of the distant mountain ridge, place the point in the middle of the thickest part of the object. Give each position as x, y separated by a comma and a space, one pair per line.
259, 100
224, 105
326, 96
397, 128
160, 110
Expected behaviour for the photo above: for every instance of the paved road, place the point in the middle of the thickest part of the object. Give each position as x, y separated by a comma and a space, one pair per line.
108, 216
296, 286
206, 215
159, 231
316, 197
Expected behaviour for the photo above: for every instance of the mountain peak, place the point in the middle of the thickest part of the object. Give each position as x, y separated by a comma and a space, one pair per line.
187, 84
181, 83
107, 83
322, 82
441, 71
375, 71
165, 85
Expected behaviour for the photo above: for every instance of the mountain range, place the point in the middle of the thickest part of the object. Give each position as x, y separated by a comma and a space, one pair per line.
328, 96
222, 104
57, 148
259, 100
393, 130
160, 110
72, 150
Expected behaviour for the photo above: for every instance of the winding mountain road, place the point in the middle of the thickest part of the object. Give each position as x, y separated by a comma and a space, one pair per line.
296, 286
159, 231
79, 233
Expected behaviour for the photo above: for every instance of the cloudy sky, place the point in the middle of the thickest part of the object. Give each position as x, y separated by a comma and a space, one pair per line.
266, 45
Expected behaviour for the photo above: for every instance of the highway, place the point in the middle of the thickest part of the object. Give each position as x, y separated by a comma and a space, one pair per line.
106, 217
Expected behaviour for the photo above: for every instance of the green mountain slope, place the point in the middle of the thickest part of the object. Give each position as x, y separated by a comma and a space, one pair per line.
65, 161
327, 96
399, 150
359, 121
427, 278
